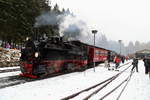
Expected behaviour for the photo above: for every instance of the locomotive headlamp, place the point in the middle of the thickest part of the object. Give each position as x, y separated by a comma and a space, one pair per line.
19, 54
36, 54
27, 38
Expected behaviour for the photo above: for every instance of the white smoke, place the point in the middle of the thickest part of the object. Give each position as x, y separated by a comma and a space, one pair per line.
69, 25
47, 18
72, 27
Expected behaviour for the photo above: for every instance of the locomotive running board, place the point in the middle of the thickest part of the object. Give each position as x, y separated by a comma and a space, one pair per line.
28, 75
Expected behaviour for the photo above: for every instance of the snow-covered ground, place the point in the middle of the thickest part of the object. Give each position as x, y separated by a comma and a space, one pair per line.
59, 87
139, 86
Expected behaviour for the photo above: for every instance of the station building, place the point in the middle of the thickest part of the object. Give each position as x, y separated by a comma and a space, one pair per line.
142, 53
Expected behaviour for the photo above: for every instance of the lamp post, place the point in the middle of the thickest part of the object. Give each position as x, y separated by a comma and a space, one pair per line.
94, 32
120, 45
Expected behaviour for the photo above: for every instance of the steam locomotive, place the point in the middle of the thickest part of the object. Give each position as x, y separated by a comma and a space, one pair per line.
39, 59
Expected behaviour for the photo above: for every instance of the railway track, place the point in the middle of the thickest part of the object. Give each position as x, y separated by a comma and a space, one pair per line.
12, 80
98, 87
124, 64
16, 79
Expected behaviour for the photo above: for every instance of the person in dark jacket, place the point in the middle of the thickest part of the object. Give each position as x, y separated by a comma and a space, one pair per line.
135, 64
147, 65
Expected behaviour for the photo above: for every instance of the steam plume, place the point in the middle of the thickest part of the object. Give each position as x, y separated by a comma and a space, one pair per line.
69, 25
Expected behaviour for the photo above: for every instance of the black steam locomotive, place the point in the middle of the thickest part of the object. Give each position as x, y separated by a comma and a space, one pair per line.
55, 55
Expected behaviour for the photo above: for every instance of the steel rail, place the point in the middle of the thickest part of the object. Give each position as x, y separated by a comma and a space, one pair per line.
96, 91
87, 89
124, 86
126, 80
124, 64
114, 89
75, 94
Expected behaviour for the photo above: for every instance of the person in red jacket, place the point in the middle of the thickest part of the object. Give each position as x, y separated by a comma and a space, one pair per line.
117, 61
127, 58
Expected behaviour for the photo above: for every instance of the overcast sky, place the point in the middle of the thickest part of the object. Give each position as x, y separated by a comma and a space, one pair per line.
126, 20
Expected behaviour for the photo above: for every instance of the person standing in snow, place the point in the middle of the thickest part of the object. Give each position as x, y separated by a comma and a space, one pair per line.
8, 46
147, 65
126, 58
117, 61
107, 62
135, 64
123, 59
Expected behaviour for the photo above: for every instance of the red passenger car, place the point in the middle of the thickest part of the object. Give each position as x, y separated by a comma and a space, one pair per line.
97, 54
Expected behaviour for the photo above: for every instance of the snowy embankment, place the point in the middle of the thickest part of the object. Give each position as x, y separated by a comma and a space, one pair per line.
9, 57
61, 86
